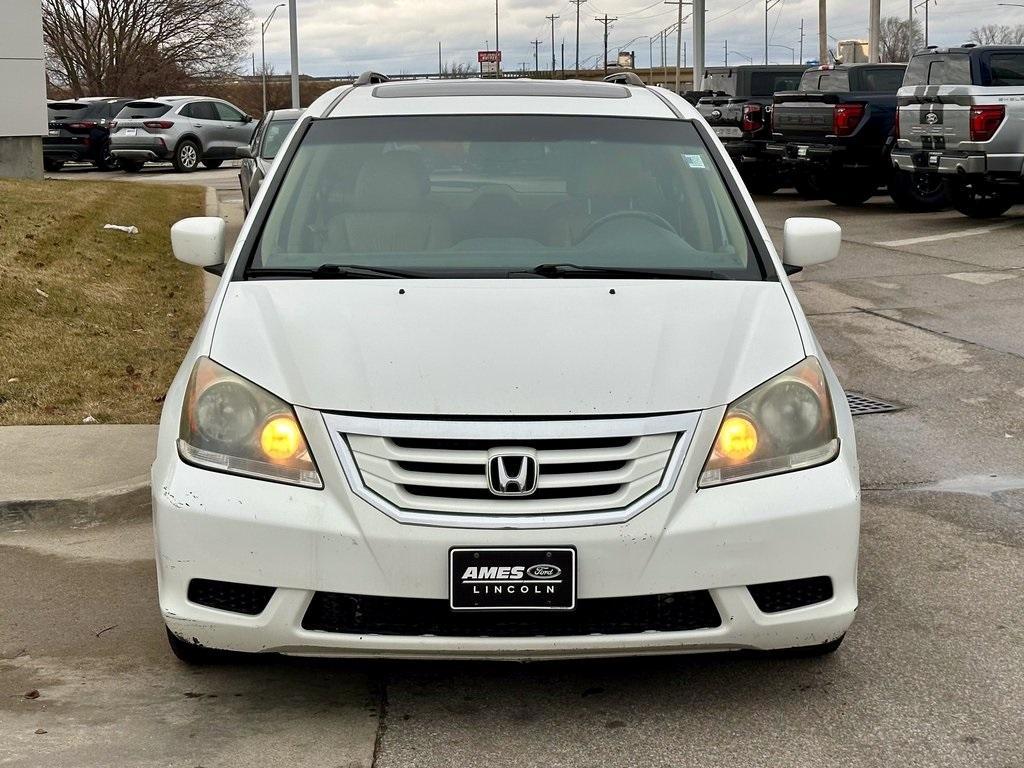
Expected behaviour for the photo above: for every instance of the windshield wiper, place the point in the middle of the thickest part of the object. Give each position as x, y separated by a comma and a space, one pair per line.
332, 272
578, 270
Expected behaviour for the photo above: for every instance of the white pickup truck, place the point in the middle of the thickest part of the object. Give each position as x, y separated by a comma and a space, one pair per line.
961, 116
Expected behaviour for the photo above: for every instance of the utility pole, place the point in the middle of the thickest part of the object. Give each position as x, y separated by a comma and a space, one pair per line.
552, 19
768, 5
439, 67
497, 45
874, 30
822, 33
727, 53
263, 50
293, 34
925, 3
910, 31
606, 20
563, 58
577, 3
698, 43
536, 61
801, 41
679, 34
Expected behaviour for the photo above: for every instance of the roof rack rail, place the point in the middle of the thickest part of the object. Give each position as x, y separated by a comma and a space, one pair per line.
625, 78
370, 77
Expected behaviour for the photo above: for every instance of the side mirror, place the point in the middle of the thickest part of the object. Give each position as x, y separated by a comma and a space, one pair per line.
243, 152
806, 242
246, 118
199, 240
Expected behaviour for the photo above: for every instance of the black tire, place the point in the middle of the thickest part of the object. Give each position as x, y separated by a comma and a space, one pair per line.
978, 201
851, 188
808, 186
198, 655
762, 182
186, 156
52, 165
130, 166
212, 164
918, 192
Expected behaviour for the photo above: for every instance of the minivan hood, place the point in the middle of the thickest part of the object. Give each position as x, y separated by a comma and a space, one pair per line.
529, 347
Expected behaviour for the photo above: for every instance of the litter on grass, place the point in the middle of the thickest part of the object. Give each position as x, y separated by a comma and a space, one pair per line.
131, 229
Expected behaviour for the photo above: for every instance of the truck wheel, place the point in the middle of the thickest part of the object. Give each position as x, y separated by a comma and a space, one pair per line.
977, 201
211, 164
851, 189
52, 165
130, 166
761, 182
808, 186
186, 156
918, 192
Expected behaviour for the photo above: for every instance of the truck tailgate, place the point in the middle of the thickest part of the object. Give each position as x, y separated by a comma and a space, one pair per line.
803, 116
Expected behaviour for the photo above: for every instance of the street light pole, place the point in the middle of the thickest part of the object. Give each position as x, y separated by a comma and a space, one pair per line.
792, 51
293, 35
263, 52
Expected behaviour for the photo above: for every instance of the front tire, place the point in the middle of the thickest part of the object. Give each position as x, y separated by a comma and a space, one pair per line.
212, 164
186, 156
978, 201
808, 186
762, 181
918, 192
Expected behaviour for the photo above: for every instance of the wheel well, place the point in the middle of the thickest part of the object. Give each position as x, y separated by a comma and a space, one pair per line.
194, 139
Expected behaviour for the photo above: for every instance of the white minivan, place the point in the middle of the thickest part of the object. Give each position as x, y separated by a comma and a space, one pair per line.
508, 370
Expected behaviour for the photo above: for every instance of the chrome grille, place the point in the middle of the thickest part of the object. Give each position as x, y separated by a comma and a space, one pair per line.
588, 471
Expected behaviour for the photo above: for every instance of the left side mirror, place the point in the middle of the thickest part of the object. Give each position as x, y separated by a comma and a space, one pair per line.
246, 118
806, 242
199, 240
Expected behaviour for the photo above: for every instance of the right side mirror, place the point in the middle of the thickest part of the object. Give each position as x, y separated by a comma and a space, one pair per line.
806, 242
199, 240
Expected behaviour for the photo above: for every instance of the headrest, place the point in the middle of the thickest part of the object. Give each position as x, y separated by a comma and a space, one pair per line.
394, 181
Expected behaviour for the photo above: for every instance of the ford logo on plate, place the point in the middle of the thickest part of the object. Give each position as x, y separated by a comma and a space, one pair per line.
543, 571
716, 113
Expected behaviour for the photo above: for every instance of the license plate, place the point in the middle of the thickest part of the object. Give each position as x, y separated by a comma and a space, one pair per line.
130, 131
933, 159
54, 132
521, 579
729, 132
801, 151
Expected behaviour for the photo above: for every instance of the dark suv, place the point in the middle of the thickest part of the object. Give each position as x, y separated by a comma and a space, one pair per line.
80, 131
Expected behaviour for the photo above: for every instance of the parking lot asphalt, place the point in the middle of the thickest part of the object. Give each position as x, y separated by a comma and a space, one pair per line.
924, 311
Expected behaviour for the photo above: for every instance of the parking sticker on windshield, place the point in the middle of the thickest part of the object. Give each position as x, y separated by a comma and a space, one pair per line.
694, 161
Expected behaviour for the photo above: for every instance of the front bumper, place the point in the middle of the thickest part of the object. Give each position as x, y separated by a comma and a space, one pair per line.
301, 541
958, 163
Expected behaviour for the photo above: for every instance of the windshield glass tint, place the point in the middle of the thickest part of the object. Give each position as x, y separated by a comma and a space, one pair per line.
1006, 69
939, 69
767, 84
142, 109
887, 80
66, 110
498, 194
276, 133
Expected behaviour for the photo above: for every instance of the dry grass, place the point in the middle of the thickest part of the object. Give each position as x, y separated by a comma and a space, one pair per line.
93, 322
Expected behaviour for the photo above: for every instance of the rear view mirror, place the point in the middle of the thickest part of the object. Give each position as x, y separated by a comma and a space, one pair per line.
806, 242
199, 240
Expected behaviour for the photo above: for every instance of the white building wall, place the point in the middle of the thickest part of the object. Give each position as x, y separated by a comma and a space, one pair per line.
22, 77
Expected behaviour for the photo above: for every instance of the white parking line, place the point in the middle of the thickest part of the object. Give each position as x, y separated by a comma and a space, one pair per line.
946, 236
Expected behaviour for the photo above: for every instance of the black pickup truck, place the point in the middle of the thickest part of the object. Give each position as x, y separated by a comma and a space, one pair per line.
739, 111
836, 133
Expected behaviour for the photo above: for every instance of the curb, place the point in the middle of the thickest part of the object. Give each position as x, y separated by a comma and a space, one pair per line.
128, 503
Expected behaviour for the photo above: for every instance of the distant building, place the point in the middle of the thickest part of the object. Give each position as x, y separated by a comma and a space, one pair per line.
626, 59
22, 90
852, 51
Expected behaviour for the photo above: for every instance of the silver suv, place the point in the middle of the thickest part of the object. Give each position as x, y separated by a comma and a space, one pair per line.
961, 119
186, 130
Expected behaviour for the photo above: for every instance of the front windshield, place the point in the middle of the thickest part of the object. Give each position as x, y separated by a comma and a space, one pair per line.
473, 195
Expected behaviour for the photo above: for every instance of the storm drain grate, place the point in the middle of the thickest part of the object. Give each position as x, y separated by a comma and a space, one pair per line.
861, 405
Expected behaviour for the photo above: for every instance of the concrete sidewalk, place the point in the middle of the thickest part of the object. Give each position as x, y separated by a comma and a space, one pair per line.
91, 469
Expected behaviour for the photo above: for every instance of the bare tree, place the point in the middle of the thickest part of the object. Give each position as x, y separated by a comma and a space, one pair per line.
142, 46
455, 69
998, 34
892, 40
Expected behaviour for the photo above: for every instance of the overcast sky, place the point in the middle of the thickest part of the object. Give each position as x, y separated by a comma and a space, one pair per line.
392, 36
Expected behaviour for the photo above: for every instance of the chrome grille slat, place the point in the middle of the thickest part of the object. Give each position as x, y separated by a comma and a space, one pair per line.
600, 470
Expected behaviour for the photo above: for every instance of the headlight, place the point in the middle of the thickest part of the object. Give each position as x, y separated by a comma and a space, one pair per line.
784, 424
230, 424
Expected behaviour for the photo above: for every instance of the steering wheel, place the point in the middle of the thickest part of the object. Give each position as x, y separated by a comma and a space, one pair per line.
645, 215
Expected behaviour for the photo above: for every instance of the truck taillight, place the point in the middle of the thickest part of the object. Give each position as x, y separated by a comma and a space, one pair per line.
753, 118
985, 121
846, 117
82, 125
158, 125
